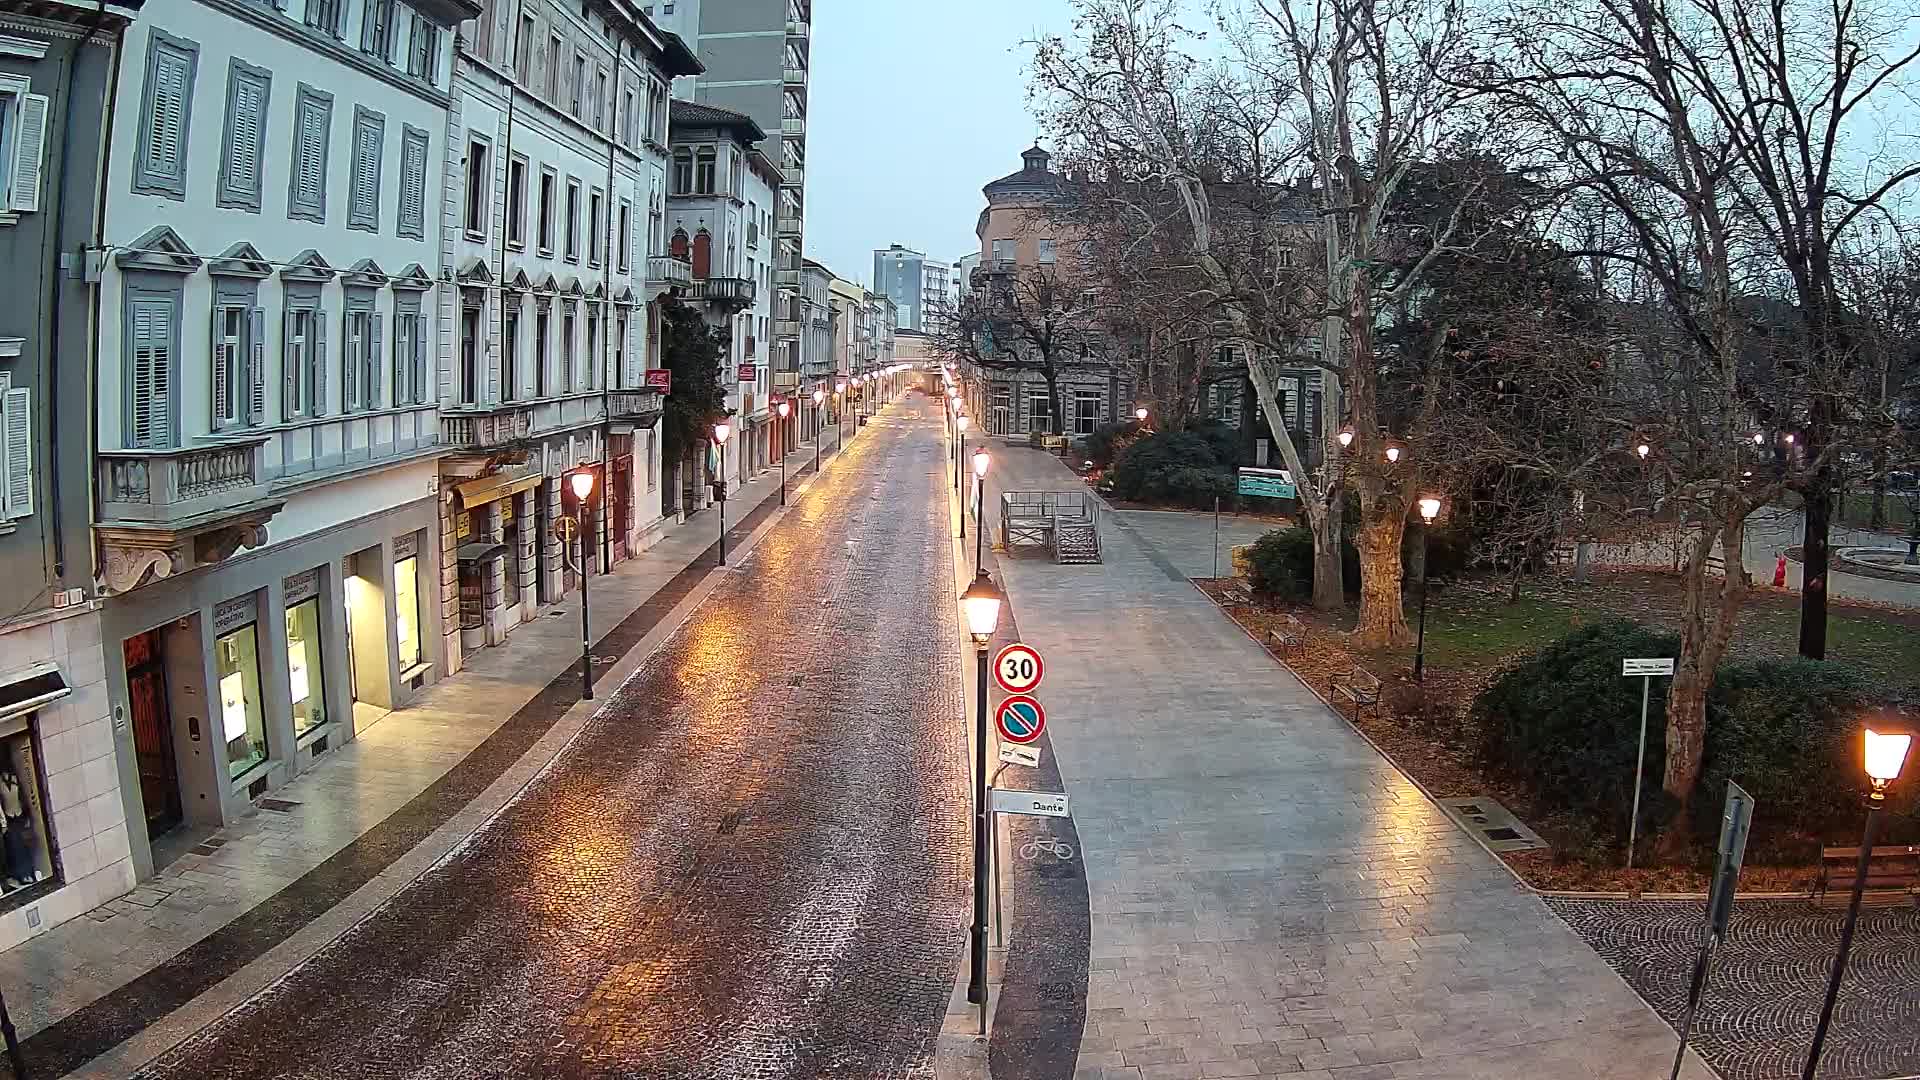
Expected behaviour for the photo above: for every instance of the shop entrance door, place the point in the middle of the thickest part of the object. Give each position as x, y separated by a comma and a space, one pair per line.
152, 732
622, 484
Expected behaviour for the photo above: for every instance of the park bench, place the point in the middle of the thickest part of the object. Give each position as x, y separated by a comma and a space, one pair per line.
1359, 686
1891, 869
1288, 635
1236, 593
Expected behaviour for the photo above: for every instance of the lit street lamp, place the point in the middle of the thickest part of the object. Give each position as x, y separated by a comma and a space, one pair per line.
819, 399
980, 464
1886, 755
721, 429
960, 448
1429, 509
1393, 455
981, 606
581, 480
1345, 437
783, 409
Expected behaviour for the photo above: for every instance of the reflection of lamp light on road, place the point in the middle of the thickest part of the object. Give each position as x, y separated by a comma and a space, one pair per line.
980, 604
1429, 510
1885, 754
581, 481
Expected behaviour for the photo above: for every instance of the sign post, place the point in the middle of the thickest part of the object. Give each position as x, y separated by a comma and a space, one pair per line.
1735, 820
1646, 669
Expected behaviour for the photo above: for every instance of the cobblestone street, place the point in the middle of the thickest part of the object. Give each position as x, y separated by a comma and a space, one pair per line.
750, 863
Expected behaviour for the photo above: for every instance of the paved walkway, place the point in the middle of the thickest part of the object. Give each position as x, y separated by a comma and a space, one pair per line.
1187, 538
82, 987
1269, 896
1770, 532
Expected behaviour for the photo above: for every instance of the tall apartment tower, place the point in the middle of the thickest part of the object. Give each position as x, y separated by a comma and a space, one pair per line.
756, 55
919, 287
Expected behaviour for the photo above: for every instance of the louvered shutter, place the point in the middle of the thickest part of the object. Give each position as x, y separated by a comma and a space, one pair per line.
373, 363
366, 174
257, 366
249, 118
350, 363
289, 366
402, 393
169, 118
222, 352
413, 185
151, 374
312, 151
16, 430
317, 363
422, 386
29, 148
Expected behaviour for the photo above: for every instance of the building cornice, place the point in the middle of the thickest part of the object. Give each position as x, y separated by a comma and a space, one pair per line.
274, 21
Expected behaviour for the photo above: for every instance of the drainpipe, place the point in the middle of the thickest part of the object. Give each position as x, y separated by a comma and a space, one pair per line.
607, 206
97, 245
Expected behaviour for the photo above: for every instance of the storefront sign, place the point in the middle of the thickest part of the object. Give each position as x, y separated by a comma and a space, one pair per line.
303, 586
233, 614
406, 547
660, 379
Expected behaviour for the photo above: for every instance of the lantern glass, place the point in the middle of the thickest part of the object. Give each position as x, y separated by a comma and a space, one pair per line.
1886, 755
721, 430
981, 461
784, 408
1429, 509
963, 421
981, 605
1346, 438
582, 483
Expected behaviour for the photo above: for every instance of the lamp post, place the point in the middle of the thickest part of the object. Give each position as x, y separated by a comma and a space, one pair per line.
839, 407
1429, 509
783, 409
721, 429
1140, 416
1886, 755
581, 480
981, 606
819, 400
960, 448
980, 464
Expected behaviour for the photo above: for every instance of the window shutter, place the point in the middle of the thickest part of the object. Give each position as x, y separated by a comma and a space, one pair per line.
249, 121
169, 118
402, 393
317, 362
222, 365
311, 154
289, 367
152, 344
373, 362
422, 386
16, 424
29, 148
257, 366
350, 365
413, 185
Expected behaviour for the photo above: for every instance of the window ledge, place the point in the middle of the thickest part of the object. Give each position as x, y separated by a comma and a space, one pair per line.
9, 217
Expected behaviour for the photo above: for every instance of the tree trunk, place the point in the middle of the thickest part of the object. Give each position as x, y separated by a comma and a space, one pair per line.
1382, 620
1707, 618
1053, 399
1329, 585
1814, 551
1877, 517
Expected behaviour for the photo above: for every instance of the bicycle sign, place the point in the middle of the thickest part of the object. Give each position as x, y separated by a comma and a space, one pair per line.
1033, 849
1017, 668
1020, 719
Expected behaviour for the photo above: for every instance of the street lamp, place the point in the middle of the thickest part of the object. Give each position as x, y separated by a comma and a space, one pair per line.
960, 451
1643, 450
1885, 755
1345, 438
581, 480
819, 400
1393, 455
1429, 509
783, 409
1140, 415
981, 462
721, 429
980, 604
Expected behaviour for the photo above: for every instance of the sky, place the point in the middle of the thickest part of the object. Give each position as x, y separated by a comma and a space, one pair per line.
912, 106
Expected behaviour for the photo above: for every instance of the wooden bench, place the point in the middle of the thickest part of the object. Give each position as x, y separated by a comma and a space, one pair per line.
1288, 635
1359, 686
1892, 869
1236, 594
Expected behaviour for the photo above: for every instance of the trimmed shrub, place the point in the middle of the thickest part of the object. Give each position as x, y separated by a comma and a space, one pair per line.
1170, 467
1280, 564
1107, 442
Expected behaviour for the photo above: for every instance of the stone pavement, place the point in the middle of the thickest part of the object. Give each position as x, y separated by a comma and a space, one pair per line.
81, 987
1186, 539
1269, 896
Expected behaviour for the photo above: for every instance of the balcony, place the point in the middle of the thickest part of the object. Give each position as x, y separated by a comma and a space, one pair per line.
787, 279
794, 127
795, 77
485, 428
792, 176
790, 227
726, 292
798, 28
786, 329
168, 511
628, 409
665, 273
786, 380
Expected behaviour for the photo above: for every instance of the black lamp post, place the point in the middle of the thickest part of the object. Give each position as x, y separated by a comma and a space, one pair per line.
980, 464
783, 409
1886, 755
581, 480
819, 426
1429, 509
1912, 499
981, 606
721, 429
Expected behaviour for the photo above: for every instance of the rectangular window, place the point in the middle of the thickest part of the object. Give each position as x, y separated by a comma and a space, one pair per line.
409, 353
554, 62
324, 16
517, 202
307, 179
541, 387
1039, 411
579, 87
165, 111
573, 220
369, 145
1046, 249
1003, 251
620, 350
376, 30
600, 99
510, 353
469, 356
242, 720
627, 118
566, 351
703, 169
1086, 411
547, 181
303, 360
412, 215
523, 50
360, 361
423, 55
245, 139
153, 347
406, 612
623, 236
477, 187
16, 450
238, 375
596, 226
29, 844
305, 678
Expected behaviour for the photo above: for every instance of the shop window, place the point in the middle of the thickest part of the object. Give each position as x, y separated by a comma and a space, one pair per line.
304, 678
241, 722
23, 806
406, 611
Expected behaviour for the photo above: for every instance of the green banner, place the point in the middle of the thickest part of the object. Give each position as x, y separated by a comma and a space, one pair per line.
1266, 484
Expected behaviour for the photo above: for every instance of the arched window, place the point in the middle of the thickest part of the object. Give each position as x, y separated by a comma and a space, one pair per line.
702, 253
703, 171
677, 247
682, 172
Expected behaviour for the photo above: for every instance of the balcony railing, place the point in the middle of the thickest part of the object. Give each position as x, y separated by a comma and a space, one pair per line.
163, 487
632, 404
486, 430
793, 126
789, 227
798, 28
792, 176
786, 328
665, 271
794, 76
725, 291
787, 279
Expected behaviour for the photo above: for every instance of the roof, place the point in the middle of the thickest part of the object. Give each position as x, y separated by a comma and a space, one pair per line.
695, 114
1034, 178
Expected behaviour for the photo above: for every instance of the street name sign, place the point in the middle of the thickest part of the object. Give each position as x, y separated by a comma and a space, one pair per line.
1017, 668
1015, 754
1647, 666
1266, 483
1020, 719
1038, 803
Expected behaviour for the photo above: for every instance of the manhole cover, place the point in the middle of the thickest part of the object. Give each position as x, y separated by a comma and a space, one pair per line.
1493, 823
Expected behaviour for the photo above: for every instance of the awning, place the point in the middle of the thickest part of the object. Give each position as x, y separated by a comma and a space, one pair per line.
488, 489
30, 688
479, 551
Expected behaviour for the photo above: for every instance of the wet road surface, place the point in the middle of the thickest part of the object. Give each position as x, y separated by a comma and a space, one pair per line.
751, 863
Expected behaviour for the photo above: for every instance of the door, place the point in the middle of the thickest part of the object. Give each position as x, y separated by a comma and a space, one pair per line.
152, 732
622, 486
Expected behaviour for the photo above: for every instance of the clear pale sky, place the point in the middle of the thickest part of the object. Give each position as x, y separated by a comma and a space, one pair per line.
913, 104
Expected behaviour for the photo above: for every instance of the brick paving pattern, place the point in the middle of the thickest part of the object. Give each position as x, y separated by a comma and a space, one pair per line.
1756, 1020
751, 863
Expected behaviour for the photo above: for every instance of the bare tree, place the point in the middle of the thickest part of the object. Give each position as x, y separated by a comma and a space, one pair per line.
1038, 319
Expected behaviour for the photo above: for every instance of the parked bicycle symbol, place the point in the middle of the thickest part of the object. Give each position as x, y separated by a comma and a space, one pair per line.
1033, 848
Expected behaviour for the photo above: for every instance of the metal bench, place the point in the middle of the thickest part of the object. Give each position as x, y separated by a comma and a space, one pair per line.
1289, 635
1359, 686
1892, 872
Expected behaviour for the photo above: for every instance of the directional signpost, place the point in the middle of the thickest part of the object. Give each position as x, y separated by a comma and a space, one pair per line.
1017, 668
1646, 668
1020, 719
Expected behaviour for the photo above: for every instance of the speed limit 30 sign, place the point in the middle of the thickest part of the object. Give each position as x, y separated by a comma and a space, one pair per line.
1017, 668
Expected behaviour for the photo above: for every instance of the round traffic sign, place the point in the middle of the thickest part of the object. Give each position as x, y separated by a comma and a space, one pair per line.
1017, 668
1020, 719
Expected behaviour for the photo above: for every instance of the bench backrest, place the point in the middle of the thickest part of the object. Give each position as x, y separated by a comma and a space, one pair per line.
1893, 852
1363, 677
